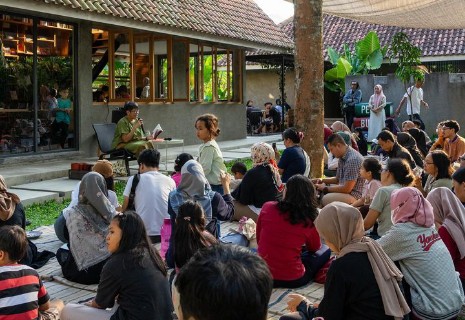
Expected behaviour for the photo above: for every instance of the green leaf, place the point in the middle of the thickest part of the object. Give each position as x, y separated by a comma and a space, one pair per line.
333, 55
332, 86
331, 74
368, 45
374, 60
343, 68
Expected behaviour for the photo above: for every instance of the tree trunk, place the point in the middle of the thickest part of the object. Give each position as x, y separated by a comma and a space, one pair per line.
309, 106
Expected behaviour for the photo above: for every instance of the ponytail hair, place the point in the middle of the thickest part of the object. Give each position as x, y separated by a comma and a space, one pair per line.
293, 134
190, 234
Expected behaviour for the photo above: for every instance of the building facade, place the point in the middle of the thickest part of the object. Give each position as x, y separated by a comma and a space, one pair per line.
66, 64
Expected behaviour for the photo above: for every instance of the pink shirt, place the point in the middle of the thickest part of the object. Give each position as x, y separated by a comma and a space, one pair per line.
370, 188
177, 178
280, 243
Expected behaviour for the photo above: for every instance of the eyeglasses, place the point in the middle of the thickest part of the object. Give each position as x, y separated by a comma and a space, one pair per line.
426, 162
446, 128
135, 111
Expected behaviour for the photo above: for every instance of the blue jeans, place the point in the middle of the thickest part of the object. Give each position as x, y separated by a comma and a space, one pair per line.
218, 188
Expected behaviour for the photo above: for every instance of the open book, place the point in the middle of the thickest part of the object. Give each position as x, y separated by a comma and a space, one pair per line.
156, 132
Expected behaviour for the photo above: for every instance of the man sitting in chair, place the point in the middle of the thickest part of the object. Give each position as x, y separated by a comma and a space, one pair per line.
129, 133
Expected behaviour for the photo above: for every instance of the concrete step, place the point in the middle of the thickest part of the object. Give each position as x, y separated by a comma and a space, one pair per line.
62, 186
36, 182
29, 197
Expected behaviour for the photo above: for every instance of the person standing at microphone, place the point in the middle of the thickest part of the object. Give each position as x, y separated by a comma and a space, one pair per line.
129, 133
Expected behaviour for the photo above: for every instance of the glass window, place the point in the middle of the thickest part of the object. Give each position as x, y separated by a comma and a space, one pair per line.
181, 70
100, 72
194, 74
224, 75
122, 67
161, 69
142, 68
208, 72
32, 121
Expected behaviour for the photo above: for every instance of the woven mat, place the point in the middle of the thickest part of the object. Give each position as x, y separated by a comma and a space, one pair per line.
60, 279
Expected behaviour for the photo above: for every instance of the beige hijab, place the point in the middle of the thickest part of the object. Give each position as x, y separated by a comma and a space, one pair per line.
342, 225
8, 201
450, 213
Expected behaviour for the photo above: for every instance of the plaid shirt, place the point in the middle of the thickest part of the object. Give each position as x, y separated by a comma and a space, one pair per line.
348, 169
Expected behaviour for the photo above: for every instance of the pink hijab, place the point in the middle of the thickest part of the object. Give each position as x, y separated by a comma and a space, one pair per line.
450, 213
378, 97
409, 205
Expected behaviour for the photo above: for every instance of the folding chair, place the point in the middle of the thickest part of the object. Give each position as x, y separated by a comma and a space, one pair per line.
105, 133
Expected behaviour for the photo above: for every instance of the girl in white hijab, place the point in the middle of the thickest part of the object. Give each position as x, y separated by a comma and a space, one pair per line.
376, 105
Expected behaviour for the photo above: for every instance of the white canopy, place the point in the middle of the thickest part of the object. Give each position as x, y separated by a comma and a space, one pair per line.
429, 14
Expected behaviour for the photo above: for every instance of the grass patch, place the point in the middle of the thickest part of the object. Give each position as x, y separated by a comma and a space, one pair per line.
45, 213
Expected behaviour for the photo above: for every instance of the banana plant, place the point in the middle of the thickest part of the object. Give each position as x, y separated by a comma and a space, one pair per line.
367, 55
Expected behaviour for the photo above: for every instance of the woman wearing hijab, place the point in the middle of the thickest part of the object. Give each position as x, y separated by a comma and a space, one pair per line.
409, 143
87, 224
449, 218
194, 186
372, 292
432, 287
376, 105
338, 126
11, 209
260, 184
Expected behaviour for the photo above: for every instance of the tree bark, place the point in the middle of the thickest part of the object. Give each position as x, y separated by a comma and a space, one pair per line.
309, 109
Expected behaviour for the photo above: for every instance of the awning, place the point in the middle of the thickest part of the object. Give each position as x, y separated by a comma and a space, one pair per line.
430, 14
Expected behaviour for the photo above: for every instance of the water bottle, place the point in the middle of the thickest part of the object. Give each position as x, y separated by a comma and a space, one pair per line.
165, 234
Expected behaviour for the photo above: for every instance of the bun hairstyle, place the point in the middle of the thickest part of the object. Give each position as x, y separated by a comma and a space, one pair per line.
181, 159
211, 123
293, 134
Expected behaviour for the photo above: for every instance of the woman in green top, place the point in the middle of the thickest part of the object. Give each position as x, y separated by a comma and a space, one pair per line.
394, 175
129, 133
438, 167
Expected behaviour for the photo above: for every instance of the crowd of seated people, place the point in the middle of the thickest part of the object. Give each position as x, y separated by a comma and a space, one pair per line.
403, 228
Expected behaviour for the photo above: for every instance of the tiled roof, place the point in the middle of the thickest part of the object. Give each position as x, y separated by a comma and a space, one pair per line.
236, 19
338, 31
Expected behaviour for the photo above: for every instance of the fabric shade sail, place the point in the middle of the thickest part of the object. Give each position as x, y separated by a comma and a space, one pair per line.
429, 14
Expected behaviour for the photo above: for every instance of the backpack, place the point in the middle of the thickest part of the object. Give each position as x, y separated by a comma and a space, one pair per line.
132, 195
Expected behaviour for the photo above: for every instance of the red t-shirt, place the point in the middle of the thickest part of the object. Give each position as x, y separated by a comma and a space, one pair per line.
454, 251
280, 242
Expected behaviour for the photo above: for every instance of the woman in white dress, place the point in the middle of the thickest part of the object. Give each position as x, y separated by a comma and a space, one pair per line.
377, 116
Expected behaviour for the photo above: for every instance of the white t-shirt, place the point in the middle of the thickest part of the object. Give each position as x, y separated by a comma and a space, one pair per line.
75, 197
417, 96
151, 199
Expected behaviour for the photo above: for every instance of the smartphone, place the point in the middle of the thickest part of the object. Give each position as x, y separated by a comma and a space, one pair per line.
273, 145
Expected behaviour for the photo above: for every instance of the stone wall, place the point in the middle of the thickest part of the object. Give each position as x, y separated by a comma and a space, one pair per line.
444, 92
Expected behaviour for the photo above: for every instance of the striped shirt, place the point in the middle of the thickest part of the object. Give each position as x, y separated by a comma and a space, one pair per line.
21, 292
